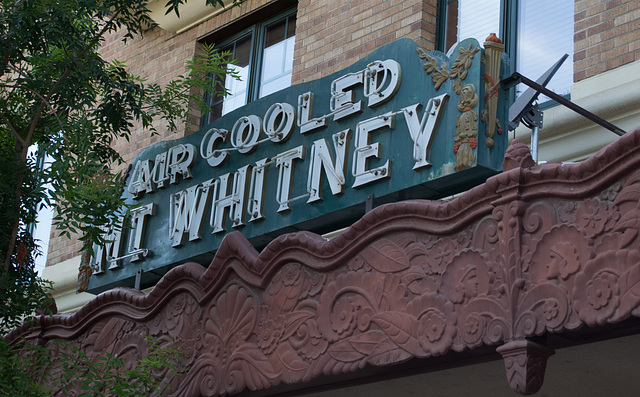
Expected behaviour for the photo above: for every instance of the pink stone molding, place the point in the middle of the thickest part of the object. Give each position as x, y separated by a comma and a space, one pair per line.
535, 250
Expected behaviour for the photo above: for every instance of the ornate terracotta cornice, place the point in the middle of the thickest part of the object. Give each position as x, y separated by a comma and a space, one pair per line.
534, 250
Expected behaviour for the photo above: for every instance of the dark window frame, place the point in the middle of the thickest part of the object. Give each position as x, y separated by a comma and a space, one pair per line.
508, 33
257, 29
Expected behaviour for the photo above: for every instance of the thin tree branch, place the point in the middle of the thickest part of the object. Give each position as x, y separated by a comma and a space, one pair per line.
66, 73
52, 110
5, 62
104, 29
13, 130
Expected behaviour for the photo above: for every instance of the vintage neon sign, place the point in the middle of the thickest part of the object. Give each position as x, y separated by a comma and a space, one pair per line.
308, 158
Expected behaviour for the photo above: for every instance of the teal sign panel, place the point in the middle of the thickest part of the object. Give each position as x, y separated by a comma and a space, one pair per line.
402, 123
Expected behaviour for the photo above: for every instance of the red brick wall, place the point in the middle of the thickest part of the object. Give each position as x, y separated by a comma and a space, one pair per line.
607, 35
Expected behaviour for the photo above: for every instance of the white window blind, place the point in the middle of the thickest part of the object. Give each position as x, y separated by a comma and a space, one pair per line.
545, 34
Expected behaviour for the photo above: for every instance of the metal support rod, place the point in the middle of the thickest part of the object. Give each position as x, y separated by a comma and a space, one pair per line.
518, 78
138, 251
534, 143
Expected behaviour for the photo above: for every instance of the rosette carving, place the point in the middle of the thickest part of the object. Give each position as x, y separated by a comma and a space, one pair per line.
608, 289
436, 320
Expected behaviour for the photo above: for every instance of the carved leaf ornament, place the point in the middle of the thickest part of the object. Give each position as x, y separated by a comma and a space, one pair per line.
535, 250
440, 73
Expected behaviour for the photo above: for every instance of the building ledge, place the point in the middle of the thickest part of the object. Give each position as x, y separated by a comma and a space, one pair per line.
63, 275
192, 12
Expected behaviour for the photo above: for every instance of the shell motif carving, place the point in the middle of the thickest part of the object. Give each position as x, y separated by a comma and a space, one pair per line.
535, 250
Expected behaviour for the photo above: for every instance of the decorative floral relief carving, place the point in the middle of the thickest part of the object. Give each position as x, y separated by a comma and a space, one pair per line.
592, 216
440, 255
609, 287
537, 249
440, 73
231, 361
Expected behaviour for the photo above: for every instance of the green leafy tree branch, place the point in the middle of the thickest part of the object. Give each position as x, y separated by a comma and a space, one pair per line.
58, 94
64, 369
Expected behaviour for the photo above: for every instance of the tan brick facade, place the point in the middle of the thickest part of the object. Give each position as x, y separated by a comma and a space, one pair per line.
607, 35
332, 34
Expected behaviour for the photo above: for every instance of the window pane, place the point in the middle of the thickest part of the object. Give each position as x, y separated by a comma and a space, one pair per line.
545, 34
238, 88
240, 52
475, 19
274, 61
277, 57
274, 51
275, 33
275, 85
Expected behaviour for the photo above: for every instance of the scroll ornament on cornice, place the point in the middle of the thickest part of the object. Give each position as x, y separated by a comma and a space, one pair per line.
535, 250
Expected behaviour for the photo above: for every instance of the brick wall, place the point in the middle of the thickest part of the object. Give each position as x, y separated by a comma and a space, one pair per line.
607, 35
159, 56
332, 34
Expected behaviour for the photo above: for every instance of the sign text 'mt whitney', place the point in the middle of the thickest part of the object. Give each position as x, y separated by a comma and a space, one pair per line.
304, 154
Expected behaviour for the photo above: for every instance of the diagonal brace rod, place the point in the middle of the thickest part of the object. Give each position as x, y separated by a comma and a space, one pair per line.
518, 78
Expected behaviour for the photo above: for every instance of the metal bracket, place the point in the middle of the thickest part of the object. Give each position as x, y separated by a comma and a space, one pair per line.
533, 120
517, 78
368, 205
138, 281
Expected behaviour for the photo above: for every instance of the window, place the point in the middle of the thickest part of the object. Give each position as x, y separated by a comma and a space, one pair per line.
41, 228
536, 33
263, 57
